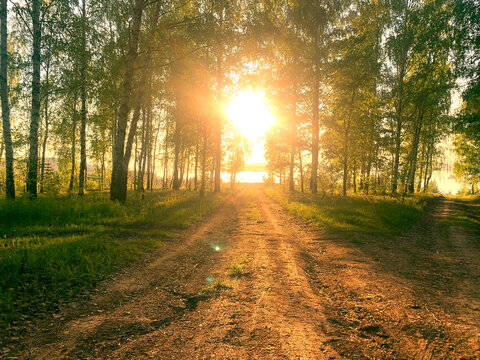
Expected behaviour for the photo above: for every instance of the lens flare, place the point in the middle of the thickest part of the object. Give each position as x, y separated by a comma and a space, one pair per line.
249, 113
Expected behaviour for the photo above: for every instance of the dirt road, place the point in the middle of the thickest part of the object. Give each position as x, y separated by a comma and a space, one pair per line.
254, 282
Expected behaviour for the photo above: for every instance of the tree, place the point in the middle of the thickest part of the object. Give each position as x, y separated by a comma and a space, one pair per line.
467, 167
399, 45
467, 123
7, 135
83, 99
315, 23
238, 148
467, 143
32, 165
118, 187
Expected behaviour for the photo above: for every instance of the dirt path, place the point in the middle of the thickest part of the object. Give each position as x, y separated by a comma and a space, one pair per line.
300, 294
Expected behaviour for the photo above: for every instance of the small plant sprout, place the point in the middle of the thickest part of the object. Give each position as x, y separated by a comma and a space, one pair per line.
215, 287
236, 270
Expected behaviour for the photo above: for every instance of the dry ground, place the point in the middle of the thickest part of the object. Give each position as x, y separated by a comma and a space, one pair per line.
294, 293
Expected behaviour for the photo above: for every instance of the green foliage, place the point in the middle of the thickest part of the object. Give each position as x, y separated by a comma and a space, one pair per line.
467, 166
358, 218
467, 143
53, 249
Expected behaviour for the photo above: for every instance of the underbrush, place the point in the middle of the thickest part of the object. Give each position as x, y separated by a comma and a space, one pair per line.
358, 218
53, 249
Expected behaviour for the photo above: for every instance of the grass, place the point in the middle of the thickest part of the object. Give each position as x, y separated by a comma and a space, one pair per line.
236, 269
463, 219
216, 287
53, 249
254, 214
358, 218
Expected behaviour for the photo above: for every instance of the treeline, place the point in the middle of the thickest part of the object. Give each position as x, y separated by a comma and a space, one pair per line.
376, 77
130, 94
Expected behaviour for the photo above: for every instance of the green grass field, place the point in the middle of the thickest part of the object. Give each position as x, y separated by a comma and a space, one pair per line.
53, 249
358, 218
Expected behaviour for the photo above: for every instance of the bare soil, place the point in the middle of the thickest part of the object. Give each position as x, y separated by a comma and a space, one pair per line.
300, 294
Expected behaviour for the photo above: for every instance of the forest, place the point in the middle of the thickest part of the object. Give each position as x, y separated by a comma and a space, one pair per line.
134, 137
112, 95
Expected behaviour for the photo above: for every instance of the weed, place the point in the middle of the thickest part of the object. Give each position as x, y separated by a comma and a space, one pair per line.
236, 270
216, 287
254, 214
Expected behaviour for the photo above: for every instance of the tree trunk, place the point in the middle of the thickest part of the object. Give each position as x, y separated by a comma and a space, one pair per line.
291, 183
149, 145
195, 179
7, 135
187, 186
212, 175
315, 119
165, 164
154, 160
414, 151
142, 159
32, 167
204, 130
346, 128
398, 131
361, 187
293, 150
83, 112
45, 137
118, 188
135, 163
367, 176
182, 167
354, 176
204, 159
422, 166
74, 138
345, 163
102, 173
176, 137
218, 127
301, 170
427, 164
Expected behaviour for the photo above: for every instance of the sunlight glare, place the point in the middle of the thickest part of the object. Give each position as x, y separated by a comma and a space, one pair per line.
249, 114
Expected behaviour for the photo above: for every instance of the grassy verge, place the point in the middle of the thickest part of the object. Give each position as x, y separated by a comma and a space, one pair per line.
358, 218
53, 249
464, 214
464, 220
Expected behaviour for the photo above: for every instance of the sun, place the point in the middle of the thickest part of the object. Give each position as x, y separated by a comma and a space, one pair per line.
249, 113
